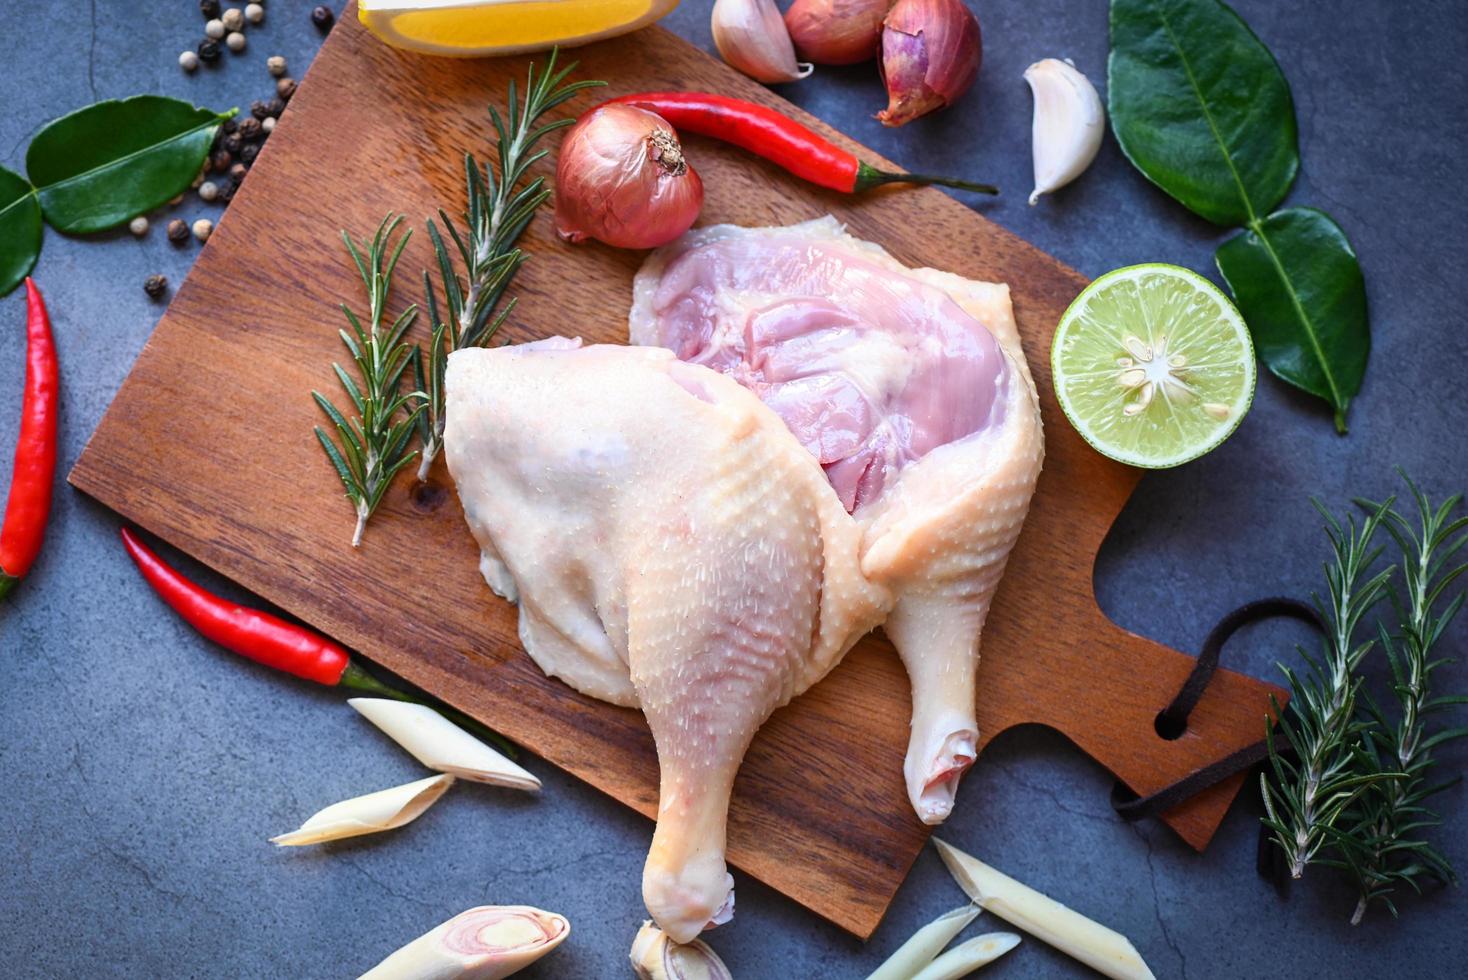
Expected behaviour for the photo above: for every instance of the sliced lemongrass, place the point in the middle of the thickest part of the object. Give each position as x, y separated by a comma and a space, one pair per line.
968, 956
484, 943
384, 810
1103, 949
656, 957
439, 744
925, 944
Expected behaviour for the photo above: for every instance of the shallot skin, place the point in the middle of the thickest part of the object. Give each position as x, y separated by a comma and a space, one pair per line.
931, 52
837, 32
622, 180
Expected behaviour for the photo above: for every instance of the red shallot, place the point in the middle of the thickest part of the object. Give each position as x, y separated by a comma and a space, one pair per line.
836, 32
931, 51
622, 180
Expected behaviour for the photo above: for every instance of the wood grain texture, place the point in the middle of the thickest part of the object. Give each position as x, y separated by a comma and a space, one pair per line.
209, 445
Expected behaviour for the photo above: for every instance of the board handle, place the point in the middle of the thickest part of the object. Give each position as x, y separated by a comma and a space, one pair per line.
1115, 718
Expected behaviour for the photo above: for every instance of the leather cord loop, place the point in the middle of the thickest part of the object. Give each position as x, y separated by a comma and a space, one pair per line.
1172, 721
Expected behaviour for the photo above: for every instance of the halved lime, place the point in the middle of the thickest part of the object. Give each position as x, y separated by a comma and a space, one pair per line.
1153, 365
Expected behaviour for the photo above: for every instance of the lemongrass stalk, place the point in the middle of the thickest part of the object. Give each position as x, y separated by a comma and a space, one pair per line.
441, 745
968, 956
386, 809
656, 957
1100, 948
925, 944
485, 943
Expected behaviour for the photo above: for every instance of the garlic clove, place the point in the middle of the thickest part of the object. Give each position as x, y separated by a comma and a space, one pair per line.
931, 52
1104, 950
485, 943
656, 957
439, 744
925, 944
1068, 126
968, 956
387, 809
751, 36
837, 32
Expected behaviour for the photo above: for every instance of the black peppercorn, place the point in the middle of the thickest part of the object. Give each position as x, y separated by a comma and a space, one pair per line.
323, 18
233, 143
275, 107
230, 125
249, 129
249, 153
259, 109
209, 8
219, 161
155, 286
226, 193
178, 231
208, 51
285, 88
237, 172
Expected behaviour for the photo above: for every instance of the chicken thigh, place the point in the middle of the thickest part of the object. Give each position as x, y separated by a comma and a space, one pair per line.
910, 389
672, 547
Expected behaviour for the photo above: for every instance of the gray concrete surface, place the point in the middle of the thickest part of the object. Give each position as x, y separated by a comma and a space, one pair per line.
146, 768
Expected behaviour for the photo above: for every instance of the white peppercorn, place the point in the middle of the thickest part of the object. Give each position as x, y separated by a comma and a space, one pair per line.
267, 124
254, 13
233, 19
214, 29
138, 226
208, 191
275, 64
202, 229
188, 60
235, 41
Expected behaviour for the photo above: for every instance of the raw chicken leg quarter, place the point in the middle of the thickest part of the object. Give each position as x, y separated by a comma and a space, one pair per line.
910, 388
845, 441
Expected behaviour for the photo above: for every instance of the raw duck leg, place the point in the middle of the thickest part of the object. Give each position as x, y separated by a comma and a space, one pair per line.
910, 388
671, 546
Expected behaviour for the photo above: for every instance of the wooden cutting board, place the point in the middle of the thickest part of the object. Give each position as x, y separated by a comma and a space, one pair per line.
209, 446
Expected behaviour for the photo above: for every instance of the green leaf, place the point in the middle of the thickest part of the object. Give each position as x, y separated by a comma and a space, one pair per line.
1200, 107
109, 162
20, 229
1300, 288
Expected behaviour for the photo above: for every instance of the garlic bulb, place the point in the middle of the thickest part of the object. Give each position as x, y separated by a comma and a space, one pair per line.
485, 943
837, 32
656, 957
751, 36
1069, 123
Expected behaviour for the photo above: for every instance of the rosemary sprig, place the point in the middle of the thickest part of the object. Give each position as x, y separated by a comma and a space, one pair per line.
498, 210
1385, 847
370, 448
1312, 791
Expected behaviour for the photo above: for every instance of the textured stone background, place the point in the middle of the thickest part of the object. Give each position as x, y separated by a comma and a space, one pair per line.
147, 768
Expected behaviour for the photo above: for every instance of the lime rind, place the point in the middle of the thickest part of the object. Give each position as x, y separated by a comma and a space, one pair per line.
1153, 365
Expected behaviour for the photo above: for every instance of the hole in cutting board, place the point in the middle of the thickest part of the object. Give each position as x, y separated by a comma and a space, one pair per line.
1169, 727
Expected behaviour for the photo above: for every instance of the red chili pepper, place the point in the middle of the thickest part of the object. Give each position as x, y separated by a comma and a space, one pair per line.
261, 637
781, 140
272, 641
29, 505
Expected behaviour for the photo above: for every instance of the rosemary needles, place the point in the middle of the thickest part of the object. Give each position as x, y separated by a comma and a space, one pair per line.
1348, 779
373, 445
497, 211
